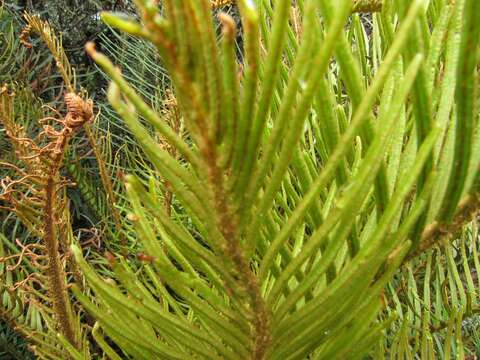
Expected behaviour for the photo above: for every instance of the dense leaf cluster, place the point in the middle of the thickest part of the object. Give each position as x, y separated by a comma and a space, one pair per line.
273, 179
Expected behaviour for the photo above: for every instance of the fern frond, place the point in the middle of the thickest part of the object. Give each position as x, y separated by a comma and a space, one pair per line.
54, 44
292, 218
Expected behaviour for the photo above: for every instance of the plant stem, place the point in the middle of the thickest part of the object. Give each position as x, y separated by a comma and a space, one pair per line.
468, 208
227, 225
55, 271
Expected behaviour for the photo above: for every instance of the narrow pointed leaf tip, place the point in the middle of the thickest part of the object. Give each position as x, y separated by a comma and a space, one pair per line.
123, 22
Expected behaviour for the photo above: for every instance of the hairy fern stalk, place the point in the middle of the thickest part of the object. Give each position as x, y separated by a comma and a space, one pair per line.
36, 196
311, 175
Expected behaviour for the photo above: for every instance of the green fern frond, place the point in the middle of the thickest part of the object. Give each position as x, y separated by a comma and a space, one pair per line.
301, 201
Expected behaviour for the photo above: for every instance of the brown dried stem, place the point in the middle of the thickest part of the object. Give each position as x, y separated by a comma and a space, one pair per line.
55, 269
46, 205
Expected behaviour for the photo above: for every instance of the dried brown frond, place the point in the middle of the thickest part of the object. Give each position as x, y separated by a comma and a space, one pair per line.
24, 36
79, 111
54, 44
220, 3
37, 195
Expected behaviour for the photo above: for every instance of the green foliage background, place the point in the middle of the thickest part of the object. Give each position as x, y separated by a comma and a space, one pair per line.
306, 188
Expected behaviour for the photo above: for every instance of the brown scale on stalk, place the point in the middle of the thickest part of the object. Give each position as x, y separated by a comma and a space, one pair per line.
37, 195
24, 36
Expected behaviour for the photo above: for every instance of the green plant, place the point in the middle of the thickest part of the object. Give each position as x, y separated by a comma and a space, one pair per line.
12, 346
435, 299
313, 198
305, 187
